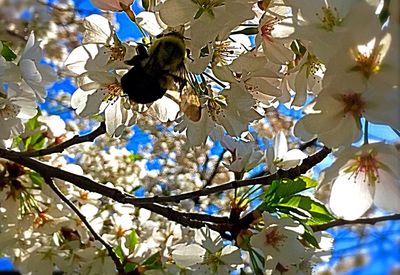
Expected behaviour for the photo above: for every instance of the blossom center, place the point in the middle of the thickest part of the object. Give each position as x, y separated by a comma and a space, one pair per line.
117, 53
225, 52
274, 237
353, 104
367, 165
329, 18
216, 106
313, 65
42, 218
9, 110
367, 63
84, 195
267, 28
114, 91
119, 232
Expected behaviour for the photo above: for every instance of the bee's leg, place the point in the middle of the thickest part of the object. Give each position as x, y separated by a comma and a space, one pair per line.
142, 54
181, 82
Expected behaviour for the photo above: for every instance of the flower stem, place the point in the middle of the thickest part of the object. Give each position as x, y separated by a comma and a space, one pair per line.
366, 132
129, 12
396, 131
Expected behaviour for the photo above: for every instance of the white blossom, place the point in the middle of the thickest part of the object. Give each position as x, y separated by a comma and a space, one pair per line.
363, 176
18, 107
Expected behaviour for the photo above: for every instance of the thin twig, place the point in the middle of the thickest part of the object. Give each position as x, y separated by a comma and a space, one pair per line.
59, 148
341, 222
109, 248
307, 144
215, 169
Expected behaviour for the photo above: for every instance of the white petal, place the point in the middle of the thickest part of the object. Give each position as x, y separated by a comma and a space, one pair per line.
209, 239
230, 255
150, 23
113, 116
77, 59
387, 192
188, 255
350, 197
165, 109
32, 49
280, 145
177, 12
29, 71
98, 30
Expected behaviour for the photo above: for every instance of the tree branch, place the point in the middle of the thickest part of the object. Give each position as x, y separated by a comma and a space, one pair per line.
193, 220
109, 248
341, 222
62, 146
87, 184
292, 173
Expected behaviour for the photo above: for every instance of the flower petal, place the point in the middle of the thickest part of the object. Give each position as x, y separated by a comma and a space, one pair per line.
351, 196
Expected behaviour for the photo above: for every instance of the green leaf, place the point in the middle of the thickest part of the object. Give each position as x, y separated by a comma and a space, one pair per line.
135, 157
153, 262
119, 252
199, 13
319, 213
36, 179
132, 241
310, 183
7, 53
35, 141
130, 267
310, 238
284, 188
33, 123
247, 31
146, 4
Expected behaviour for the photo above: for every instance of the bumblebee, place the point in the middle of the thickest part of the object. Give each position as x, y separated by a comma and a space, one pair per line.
155, 70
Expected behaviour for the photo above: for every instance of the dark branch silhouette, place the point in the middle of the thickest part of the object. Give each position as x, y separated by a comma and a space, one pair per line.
109, 248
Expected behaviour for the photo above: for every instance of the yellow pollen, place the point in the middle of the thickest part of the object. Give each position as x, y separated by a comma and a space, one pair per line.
113, 91
224, 52
117, 53
330, 18
84, 195
313, 65
367, 64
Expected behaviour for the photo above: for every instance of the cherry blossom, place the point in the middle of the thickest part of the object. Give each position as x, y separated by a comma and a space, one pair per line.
278, 241
279, 155
14, 110
338, 110
35, 74
364, 176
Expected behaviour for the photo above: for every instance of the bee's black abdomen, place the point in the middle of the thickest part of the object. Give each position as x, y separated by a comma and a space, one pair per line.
141, 87
155, 71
